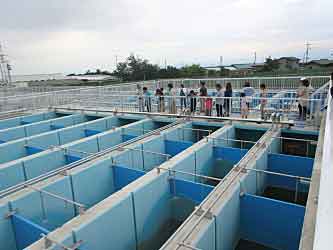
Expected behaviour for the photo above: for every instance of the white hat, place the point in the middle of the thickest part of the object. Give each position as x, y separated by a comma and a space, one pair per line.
304, 79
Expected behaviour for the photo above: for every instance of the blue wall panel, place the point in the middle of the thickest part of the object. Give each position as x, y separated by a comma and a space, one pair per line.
11, 175
82, 180
288, 164
268, 222
151, 217
112, 229
90, 132
44, 141
9, 123
55, 127
71, 134
45, 210
230, 154
153, 160
26, 232
71, 158
7, 236
174, 147
43, 163
206, 240
124, 176
109, 139
12, 134
33, 150
12, 150
128, 137
36, 118
228, 222
37, 128
196, 192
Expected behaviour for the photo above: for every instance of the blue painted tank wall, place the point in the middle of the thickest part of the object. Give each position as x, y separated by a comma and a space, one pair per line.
26, 168
18, 121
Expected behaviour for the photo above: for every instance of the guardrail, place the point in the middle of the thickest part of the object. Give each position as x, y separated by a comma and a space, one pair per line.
254, 107
61, 97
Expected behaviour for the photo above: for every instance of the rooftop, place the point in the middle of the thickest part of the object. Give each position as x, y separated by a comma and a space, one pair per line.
120, 177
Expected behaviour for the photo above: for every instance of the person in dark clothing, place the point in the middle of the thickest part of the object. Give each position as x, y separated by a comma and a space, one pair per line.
193, 101
228, 99
183, 94
147, 99
219, 100
203, 92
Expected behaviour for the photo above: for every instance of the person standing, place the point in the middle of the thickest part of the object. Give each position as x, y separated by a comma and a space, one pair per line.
244, 106
249, 92
203, 92
228, 99
193, 102
208, 106
219, 100
183, 95
147, 99
158, 96
303, 94
263, 100
172, 99
139, 94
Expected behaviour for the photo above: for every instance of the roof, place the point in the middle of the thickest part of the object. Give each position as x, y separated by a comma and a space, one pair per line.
243, 66
100, 77
323, 62
289, 58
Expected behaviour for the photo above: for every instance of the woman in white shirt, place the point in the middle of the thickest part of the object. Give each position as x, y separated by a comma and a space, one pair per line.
172, 93
303, 94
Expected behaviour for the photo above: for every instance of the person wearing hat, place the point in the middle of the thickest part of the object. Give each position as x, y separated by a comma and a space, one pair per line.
303, 94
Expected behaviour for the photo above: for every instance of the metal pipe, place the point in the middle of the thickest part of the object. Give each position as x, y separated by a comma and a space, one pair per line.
280, 174
56, 196
188, 173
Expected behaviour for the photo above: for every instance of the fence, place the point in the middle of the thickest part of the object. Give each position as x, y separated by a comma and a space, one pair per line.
253, 107
124, 96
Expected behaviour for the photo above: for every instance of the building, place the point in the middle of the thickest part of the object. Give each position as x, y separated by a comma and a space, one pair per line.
321, 64
287, 63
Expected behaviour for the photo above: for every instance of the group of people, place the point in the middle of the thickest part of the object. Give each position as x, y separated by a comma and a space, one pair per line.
189, 101
221, 97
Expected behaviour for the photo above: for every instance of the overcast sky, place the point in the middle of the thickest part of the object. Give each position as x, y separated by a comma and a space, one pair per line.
44, 36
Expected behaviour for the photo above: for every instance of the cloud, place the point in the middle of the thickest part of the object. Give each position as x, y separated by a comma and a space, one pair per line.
64, 36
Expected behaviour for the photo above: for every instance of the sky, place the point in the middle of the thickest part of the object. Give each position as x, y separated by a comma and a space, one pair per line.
50, 36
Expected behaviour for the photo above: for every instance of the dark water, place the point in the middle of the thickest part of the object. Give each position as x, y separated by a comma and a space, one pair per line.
249, 245
299, 148
180, 209
219, 169
286, 195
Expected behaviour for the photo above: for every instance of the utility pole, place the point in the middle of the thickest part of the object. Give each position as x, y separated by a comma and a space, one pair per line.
116, 58
5, 68
255, 58
307, 52
221, 61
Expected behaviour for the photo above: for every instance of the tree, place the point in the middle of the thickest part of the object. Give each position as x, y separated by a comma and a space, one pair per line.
194, 70
271, 64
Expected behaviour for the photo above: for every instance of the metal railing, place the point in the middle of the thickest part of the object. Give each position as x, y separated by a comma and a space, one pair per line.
48, 97
252, 107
